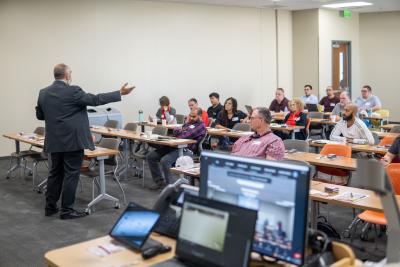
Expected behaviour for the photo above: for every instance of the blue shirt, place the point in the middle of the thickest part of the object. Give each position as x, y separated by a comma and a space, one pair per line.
311, 99
369, 103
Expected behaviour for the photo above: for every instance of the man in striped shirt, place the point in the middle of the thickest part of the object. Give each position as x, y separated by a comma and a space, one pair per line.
263, 143
351, 127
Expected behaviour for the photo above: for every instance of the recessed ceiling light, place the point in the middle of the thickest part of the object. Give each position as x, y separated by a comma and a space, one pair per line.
350, 4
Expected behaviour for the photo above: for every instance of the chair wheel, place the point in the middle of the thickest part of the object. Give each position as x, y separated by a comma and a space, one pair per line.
364, 236
117, 205
88, 211
346, 233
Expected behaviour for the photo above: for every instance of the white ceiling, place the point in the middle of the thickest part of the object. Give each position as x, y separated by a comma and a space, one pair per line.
378, 5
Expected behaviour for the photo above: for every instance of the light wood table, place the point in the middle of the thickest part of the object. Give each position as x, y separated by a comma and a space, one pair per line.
100, 154
388, 127
316, 160
288, 129
384, 134
227, 132
358, 148
79, 255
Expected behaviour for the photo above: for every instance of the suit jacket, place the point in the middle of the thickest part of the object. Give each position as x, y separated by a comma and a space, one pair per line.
63, 108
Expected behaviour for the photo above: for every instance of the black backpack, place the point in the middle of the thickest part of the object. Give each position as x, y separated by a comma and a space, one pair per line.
324, 226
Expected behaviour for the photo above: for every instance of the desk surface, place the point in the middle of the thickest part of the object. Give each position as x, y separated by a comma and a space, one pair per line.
37, 140
79, 255
358, 148
388, 127
315, 159
384, 134
227, 132
193, 172
172, 142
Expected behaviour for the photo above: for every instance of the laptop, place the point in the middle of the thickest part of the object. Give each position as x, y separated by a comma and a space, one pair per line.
312, 107
134, 226
169, 221
212, 233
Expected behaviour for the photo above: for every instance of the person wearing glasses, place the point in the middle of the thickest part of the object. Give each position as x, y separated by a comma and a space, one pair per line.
338, 110
308, 97
367, 101
330, 100
263, 143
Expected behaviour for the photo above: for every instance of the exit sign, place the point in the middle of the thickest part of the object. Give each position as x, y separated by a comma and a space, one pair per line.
345, 13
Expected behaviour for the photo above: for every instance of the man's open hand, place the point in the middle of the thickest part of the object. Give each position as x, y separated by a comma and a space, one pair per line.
125, 89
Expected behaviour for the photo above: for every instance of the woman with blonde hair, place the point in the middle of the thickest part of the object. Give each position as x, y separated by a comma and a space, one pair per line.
296, 117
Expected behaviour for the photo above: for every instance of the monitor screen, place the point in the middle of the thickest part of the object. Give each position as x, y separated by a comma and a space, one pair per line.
134, 225
277, 190
212, 233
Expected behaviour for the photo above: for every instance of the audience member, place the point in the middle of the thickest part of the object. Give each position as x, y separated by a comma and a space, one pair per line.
230, 115
393, 152
308, 98
215, 107
263, 143
167, 156
330, 100
367, 101
193, 104
351, 127
280, 103
338, 110
166, 112
296, 117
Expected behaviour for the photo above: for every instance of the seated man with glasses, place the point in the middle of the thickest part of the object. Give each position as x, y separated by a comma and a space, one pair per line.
166, 156
263, 143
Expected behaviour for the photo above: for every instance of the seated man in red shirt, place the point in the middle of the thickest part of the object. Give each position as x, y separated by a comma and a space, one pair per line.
262, 144
193, 104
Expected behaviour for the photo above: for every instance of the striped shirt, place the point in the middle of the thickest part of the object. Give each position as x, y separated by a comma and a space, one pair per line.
260, 146
357, 131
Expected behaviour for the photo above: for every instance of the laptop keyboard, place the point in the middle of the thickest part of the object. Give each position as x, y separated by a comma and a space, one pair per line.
168, 224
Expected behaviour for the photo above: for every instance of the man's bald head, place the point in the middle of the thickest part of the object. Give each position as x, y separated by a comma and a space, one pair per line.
350, 111
60, 70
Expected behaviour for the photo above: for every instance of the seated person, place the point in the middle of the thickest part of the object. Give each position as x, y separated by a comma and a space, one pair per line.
166, 112
193, 104
392, 152
226, 119
338, 110
308, 97
166, 156
296, 117
280, 103
263, 143
215, 107
230, 115
351, 127
367, 101
330, 100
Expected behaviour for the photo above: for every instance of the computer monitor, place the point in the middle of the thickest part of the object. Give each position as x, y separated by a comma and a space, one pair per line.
278, 190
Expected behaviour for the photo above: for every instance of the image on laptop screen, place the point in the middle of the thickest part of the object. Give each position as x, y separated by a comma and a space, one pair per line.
212, 233
277, 190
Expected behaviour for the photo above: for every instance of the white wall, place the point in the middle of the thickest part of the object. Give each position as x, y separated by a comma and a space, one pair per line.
285, 52
305, 50
380, 57
332, 27
179, 50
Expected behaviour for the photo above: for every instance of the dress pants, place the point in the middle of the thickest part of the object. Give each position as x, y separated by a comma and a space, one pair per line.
166, 157
63, 179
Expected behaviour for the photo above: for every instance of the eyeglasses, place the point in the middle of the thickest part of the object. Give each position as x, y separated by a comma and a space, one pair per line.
252, 118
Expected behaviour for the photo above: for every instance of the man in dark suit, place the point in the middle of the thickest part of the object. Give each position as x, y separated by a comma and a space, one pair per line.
63, 108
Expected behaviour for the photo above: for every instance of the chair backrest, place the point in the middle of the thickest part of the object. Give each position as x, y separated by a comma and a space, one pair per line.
316, 115
111, 124
395, 129
160, 130
387, 140
337, 149
242, 127
180, 119
393, 171
110, 143
39, 131
299, 145
131, 126
376, 137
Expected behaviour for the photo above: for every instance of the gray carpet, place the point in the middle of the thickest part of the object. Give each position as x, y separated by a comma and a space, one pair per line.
27, 234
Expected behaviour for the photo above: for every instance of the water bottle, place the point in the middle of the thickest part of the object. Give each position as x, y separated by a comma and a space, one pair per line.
141, 116
369, 112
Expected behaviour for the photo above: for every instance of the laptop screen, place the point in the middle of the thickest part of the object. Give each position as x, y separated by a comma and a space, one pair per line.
134, 225
212, 233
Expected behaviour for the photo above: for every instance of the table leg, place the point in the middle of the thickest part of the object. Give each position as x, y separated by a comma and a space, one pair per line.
103, 195
313, 215
126, 156
293, 135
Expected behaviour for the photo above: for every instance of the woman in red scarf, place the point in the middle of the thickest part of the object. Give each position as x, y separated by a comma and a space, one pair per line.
296, 117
